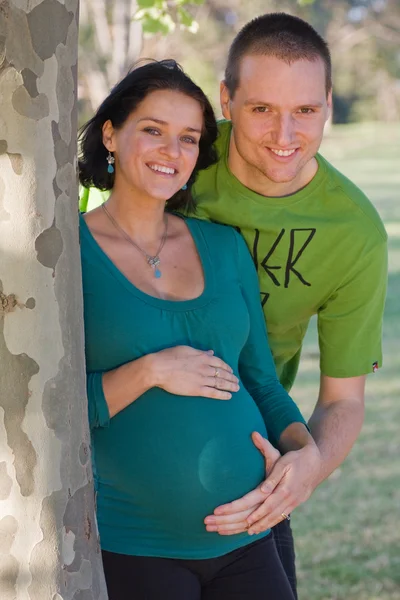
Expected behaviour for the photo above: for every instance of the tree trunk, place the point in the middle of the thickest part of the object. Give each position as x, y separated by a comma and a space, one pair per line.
48, 534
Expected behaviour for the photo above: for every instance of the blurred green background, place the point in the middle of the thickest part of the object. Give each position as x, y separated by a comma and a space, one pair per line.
348, 533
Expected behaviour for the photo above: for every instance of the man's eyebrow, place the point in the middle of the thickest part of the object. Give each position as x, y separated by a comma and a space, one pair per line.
254, 102
161, 122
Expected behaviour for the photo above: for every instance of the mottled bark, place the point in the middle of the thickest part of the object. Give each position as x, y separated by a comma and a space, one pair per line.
48, 535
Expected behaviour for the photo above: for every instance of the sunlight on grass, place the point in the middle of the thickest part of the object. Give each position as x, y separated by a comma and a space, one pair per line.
348, 535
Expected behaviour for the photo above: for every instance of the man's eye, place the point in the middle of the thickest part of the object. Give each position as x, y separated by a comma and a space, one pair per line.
260, 109
151, 131
306, 111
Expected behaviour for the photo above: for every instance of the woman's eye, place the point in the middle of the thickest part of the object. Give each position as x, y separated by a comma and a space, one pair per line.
151, 130
189, 139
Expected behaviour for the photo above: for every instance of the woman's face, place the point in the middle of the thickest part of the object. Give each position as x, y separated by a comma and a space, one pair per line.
157, 147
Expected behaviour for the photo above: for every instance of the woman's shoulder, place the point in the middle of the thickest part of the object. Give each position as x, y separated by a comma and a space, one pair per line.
223, 236
219, 231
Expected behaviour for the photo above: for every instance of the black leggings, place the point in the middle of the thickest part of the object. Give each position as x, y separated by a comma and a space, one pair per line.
254, 572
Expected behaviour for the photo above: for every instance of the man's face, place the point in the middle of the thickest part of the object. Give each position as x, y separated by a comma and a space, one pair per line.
278, 115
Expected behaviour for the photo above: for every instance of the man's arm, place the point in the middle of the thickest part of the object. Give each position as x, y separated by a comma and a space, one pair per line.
337, 419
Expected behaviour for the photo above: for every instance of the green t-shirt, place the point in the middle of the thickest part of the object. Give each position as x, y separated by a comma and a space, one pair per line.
322, 250
166, 461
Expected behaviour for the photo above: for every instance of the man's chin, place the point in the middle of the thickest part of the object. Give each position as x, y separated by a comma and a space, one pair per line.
281, 177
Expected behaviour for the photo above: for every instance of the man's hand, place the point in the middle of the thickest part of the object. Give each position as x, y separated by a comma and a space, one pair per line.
291, 479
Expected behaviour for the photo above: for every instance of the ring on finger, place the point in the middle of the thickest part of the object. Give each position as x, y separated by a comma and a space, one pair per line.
216, 372
285, 516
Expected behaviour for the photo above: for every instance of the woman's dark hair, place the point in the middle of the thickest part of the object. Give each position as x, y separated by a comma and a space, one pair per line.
280, 35
123, 99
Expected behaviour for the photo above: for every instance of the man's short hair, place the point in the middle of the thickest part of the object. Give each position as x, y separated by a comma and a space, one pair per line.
283, 36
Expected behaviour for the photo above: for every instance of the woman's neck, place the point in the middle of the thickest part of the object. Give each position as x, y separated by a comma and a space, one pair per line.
143, 219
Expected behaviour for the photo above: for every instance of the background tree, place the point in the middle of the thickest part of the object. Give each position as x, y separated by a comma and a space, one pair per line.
48, 535
111, 40
364, 36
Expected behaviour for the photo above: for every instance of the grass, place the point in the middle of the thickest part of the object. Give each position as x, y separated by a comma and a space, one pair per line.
348, 533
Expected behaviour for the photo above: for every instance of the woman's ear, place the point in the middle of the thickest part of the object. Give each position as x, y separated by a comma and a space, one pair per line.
108, 136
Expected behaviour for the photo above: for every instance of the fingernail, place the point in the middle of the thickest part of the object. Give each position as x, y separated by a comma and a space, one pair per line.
210, 352
210, 520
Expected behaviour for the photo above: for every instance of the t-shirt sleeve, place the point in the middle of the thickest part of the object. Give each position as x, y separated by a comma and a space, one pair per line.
350, 322
99, 415
256, 365
90, 198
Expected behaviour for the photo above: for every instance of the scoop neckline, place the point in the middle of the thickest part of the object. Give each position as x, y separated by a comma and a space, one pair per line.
173, 305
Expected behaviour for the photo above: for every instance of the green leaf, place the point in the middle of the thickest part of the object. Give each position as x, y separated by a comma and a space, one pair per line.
146, 3
144, 13
184, 17
305, 2
162, 24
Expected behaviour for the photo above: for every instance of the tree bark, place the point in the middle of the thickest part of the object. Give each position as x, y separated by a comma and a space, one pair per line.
48, 534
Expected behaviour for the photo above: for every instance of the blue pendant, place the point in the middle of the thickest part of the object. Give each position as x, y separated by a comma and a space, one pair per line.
110, 169
157, 273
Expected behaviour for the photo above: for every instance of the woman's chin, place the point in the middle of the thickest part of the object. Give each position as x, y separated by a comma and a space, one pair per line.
163, 195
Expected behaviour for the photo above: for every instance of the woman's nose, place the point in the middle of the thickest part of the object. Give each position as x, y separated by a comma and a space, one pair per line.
172, 147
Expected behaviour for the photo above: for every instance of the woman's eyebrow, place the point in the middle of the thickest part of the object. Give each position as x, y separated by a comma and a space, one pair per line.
161, 122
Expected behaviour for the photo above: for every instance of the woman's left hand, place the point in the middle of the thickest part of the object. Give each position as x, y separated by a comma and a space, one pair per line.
290, 481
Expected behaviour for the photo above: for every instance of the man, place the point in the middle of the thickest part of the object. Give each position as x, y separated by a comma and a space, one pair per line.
318, 244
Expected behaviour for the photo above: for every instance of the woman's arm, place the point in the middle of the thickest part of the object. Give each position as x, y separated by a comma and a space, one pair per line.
181, 370
110, 392
256, 365
291, 478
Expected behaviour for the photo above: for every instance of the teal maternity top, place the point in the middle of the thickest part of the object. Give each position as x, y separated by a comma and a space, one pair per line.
166, 461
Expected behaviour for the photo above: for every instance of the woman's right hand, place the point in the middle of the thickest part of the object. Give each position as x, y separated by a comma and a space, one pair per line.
185, 371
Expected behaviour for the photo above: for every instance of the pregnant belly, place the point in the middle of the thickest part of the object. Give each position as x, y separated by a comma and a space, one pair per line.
169, 458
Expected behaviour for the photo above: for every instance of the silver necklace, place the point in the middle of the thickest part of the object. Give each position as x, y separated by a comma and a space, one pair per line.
153, 261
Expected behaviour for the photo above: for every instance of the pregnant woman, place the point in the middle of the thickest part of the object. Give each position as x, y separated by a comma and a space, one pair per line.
179, 369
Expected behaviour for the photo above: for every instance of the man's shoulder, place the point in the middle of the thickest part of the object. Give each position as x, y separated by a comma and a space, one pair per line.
354, 199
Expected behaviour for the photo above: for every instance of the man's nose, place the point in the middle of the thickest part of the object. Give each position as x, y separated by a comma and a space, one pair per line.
284, 130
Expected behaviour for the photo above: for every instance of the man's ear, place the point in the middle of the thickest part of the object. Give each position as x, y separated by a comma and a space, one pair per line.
108, 136
225, 100
329, 103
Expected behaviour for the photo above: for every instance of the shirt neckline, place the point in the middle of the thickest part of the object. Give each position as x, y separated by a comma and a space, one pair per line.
173, 305
239, 189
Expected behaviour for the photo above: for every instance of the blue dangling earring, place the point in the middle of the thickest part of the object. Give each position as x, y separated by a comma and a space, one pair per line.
184, 187
111, 161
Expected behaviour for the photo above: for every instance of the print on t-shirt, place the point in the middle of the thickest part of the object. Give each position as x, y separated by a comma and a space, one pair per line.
272, 270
